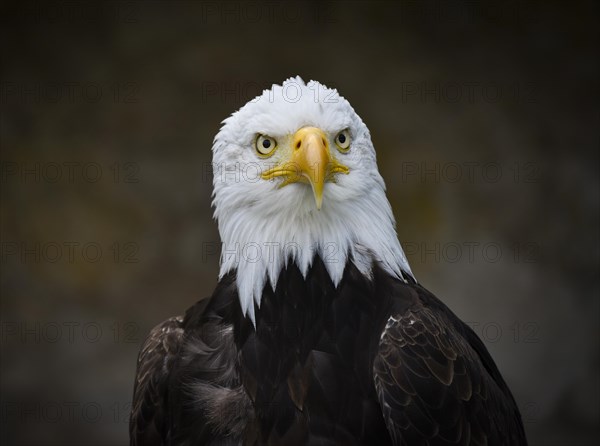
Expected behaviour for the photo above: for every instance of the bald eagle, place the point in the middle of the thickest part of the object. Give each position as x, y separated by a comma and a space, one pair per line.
317, 332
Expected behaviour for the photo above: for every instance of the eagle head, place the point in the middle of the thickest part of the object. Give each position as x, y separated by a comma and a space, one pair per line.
295, 176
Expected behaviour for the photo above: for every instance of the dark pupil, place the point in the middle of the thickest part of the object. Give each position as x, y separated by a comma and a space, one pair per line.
266, 143
342, 138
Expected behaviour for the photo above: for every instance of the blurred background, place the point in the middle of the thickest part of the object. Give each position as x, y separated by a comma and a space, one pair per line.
484, 117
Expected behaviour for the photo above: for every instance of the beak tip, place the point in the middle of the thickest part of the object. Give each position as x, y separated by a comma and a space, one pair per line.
318, 200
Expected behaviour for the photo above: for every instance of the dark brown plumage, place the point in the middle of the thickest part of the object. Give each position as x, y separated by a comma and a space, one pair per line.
372, 362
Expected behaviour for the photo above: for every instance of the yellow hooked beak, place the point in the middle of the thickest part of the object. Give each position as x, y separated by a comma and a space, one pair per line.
310, 162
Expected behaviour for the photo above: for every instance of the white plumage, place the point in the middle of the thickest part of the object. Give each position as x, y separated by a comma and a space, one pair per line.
263, 225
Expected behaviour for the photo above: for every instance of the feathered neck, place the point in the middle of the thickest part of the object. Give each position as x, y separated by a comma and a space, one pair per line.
259, 240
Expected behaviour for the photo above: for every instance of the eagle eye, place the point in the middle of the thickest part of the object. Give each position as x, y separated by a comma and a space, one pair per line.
265, 145
342, 140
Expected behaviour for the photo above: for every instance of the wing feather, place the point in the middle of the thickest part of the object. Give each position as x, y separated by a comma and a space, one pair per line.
147, 424
436, 383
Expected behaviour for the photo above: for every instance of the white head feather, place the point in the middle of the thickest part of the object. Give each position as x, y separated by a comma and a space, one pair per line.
262, 226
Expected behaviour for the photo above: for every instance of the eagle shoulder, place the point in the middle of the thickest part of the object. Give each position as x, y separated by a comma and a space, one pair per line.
436, 382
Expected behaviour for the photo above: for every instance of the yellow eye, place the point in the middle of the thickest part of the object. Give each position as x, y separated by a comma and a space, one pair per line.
342, 140
265, 145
